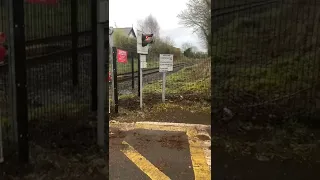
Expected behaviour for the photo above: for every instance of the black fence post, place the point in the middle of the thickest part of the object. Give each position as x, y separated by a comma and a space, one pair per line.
115, 74
74, 32
139, 66
21, 80
132, 69
94, 65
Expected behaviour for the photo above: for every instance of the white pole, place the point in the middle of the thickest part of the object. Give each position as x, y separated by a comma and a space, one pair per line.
111, 63
163, 87
141, 87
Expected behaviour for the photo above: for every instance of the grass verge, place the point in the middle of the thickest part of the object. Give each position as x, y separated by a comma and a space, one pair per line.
187, 98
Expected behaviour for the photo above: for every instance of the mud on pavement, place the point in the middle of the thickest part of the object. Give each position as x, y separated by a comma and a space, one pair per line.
149, 150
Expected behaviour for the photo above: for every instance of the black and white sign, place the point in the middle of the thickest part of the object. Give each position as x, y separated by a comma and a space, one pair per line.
166, 62
143, 61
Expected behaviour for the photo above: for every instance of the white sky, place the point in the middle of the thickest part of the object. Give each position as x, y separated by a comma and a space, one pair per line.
126, 13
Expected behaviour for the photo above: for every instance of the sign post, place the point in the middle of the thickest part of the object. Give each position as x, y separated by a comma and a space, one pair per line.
143, 64
110, 74
142, 51
165, 65
111, 63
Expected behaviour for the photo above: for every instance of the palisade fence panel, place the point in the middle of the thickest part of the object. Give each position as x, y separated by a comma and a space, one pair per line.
266, 59
58, 47
5, 113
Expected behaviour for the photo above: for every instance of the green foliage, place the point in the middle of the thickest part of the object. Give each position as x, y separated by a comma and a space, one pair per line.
161, 46
190, 53
121, 40
194, 80
259, 59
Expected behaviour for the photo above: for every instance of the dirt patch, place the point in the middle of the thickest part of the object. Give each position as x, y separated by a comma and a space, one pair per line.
203, 137
180, 116
243, 151
228, 167
54, 164
175, 110
116, 133
60, 149
173, 142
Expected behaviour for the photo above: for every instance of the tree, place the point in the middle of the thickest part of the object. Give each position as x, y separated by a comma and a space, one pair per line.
150, 25
123, 41
188, 52
197, 16
185, 46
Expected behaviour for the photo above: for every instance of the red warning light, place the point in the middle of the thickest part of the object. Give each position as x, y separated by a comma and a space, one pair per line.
148, 38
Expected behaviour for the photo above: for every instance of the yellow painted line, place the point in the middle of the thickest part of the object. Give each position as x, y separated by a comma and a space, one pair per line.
153, 127
147, 167
161, 127
200, 167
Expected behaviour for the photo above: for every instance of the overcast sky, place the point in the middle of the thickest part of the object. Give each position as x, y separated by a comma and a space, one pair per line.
125, 13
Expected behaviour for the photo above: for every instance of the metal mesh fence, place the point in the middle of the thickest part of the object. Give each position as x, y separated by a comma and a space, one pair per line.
59, 78
4, 80
265, 55
58, 70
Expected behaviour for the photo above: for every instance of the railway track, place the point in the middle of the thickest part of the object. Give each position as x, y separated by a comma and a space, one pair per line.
128, 76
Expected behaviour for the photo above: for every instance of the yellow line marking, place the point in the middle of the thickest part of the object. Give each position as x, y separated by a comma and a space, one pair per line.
160, 128
143, 164
200, 167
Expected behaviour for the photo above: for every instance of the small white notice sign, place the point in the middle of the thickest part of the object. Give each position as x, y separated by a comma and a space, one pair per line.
143, 61
166, 62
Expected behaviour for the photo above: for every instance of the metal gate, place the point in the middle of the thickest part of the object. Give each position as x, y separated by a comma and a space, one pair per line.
5, 91
59, 73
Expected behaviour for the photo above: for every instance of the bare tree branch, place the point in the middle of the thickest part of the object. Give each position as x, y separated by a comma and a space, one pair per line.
197, 16
149, 25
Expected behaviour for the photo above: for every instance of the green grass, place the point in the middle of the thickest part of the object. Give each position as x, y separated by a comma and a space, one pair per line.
261, 56
125, 68
127, 96
190, 80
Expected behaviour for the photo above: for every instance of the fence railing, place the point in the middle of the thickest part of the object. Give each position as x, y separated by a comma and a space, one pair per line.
60, 66
266, 64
